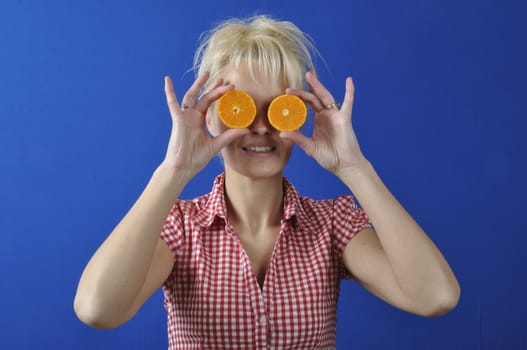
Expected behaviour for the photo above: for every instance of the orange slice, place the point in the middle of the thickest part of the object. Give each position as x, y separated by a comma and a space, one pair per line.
236, 109
287, 112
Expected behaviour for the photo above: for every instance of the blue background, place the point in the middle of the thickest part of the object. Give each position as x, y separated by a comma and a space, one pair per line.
440, 103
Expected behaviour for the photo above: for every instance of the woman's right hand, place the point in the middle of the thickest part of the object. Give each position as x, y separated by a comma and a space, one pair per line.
191, 147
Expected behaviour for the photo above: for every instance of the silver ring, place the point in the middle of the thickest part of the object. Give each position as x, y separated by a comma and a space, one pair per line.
184, 106
333, 105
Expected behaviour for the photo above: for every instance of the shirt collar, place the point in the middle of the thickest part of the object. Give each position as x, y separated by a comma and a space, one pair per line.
292, 203
215, 205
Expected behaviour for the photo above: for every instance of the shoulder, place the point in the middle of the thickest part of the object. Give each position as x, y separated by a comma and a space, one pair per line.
329, 205
309, 207
320, 215
186, 208
181, 220
341, 213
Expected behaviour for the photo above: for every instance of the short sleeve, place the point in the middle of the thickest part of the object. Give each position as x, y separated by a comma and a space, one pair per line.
173, 230
348, 220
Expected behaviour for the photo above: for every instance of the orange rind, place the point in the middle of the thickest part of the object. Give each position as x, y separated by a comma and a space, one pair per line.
236, 109
287, 113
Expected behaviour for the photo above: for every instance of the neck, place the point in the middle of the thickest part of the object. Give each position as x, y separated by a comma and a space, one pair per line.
253, 204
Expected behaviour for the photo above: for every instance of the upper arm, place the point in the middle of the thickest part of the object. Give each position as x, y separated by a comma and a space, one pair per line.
160, 268
366, 260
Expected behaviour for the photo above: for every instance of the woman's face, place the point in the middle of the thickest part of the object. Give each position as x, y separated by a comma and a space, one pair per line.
261, 153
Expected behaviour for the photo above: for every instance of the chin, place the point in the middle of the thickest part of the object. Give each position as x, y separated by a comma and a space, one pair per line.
257, 172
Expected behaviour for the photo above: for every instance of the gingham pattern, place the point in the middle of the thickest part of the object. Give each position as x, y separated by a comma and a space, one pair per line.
212, 297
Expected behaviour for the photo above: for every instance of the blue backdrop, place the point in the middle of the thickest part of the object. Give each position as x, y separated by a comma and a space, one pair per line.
440, 102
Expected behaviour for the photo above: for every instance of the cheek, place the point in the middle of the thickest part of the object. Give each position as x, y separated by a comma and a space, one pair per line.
214, 124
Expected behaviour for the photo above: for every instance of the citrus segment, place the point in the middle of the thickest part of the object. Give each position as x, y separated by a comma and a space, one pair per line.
236, 109
287, 112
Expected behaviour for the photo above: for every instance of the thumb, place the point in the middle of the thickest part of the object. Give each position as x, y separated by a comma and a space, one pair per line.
227, 137
297, 138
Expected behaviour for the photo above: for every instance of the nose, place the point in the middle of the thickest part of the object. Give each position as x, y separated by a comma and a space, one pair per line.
261, 124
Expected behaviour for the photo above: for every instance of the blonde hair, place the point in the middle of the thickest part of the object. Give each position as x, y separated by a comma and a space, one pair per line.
278, 49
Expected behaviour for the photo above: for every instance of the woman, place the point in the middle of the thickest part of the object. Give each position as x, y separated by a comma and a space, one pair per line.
253, 264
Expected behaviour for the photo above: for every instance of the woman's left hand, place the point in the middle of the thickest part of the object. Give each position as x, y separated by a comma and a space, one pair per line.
333, 144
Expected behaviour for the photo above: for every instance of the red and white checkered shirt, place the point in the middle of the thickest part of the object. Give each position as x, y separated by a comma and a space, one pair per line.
212, 296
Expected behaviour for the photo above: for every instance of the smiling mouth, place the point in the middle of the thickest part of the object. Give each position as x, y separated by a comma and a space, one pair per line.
259, 149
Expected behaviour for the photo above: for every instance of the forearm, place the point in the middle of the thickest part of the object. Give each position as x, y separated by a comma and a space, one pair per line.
420, 269
116, 272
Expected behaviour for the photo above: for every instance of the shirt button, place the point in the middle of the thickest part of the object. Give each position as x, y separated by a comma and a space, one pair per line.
262, 320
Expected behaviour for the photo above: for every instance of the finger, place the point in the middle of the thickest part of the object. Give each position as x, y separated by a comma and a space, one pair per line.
302, 141
318, 89
347, 104
308, 98
170, 94
211, 87
214, 85
211, 96
190, 97
313, 71
227, 137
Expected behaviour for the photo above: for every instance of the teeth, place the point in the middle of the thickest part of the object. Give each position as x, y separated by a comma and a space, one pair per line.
259, 148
